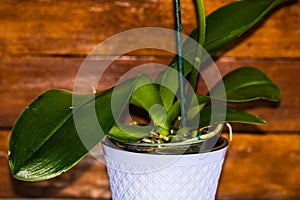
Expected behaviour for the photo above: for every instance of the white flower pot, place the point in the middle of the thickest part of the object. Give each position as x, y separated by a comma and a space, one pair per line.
143, 176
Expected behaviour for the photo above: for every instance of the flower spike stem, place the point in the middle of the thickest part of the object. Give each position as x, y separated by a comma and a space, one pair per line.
182, 98
200, 40
201, 22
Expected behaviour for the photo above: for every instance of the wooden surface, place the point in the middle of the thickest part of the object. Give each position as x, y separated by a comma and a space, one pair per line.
43, 43
64, 27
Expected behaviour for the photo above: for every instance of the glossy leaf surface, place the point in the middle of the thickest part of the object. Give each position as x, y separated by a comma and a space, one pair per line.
222, 27
146, 96
44, 141
232, 20
231, 115
246, 84
130, 133
241, 85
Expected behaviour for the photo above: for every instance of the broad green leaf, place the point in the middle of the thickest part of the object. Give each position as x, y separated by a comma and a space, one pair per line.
222, 27
246, 84
232, 20
168, 81
145, 94
228, 23
44, 141
241, 85
231, 115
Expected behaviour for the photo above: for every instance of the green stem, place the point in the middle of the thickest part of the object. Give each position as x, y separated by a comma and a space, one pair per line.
201, 41
182, 97
201, 21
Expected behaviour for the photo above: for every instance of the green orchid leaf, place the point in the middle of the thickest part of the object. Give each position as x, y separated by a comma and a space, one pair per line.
241, 85
44, 141
146, 96
195, 107
168, 81
222, 27
130, 133
246, 84
203, 99
231, 115
174, 111
228, 23
232, 20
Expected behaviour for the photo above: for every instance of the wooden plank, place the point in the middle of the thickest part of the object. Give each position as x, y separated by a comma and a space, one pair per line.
76, 27
262, 167
24, 78
256, 167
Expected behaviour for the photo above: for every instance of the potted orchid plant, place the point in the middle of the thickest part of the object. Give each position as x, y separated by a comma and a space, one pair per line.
154, 156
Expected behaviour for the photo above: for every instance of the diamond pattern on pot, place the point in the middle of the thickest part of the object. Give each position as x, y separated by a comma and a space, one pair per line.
173, 182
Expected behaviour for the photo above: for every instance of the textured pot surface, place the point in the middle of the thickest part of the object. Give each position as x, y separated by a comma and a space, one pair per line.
142, 176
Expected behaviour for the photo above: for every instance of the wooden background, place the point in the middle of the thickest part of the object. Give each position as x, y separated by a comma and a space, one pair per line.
43, 42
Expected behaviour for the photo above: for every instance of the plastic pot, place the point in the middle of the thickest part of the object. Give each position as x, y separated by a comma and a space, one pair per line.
143, 176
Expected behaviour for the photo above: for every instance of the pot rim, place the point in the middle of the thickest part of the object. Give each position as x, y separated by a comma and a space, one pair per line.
221, 143
124, 160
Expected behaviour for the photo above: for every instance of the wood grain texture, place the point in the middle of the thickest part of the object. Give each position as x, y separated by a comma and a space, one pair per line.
262, 167
257, 167
25, 78
76, 27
